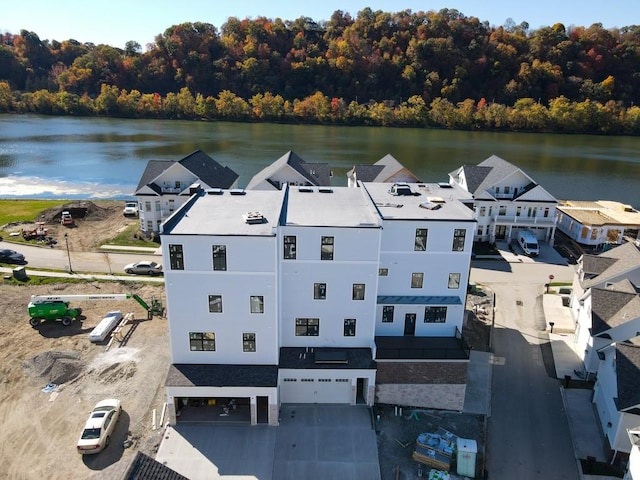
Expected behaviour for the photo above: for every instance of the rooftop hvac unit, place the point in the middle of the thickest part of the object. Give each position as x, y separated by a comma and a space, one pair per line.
253, 217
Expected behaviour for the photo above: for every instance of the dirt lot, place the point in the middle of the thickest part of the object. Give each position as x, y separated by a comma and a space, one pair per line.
40, 430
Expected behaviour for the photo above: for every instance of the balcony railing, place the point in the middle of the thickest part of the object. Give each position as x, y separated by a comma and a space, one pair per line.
521, 220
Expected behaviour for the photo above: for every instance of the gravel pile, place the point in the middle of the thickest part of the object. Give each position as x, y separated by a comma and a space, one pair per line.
54, 367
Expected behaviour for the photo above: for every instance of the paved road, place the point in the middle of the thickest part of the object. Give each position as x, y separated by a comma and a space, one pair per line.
528, 433
57, 259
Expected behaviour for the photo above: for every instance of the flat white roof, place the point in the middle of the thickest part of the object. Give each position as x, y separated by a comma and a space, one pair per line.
330, 206
224, 213
429, 201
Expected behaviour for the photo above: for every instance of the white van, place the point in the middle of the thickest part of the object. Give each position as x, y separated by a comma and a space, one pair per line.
108, 323
528, 242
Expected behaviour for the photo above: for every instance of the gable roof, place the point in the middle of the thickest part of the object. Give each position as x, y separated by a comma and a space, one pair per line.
627, 375
611, 308
385, 170
480, 178
208, 170
318, 174
610, 264
205, 168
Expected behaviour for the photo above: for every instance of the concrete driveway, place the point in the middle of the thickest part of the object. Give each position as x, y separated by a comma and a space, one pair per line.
311, 442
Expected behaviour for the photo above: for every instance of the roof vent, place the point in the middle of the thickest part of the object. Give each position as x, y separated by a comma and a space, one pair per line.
305, 189
430, 205
214, 191
237, 191
435, 199
444, 185
253, 217
325, 190
401, 189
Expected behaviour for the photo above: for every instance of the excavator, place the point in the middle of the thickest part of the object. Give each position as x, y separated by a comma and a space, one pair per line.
56, 307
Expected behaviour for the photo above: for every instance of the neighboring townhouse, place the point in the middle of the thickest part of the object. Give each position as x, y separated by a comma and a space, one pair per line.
605, 302
598, 224
385, 170
616, 392
633, 466
290, 169
506, 201
423, 273
300, 295
165, 185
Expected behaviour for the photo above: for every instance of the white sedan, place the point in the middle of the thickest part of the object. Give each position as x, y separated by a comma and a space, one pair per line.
97, 432
144, 268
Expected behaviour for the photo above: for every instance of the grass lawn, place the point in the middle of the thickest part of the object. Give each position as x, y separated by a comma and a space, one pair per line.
24, 210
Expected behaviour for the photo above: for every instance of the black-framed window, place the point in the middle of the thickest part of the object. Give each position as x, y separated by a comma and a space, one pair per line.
219, 257
358, 291
319, 291
458, 239
326, 249
176, 257
435, 314
202, 341
417, 279
387, 314
349, 327
383, 272
215, 303
289, 247
454, 280
307, 327
256, 303
420, 244
248, 342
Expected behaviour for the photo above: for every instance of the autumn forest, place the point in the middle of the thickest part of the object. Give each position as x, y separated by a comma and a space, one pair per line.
419, 69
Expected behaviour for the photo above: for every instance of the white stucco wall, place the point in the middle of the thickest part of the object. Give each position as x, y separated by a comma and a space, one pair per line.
250, 271
355, 262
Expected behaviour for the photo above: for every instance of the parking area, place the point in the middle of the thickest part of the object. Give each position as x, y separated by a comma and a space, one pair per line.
311, 442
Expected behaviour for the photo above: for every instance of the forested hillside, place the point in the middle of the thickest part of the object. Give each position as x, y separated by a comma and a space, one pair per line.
401, 69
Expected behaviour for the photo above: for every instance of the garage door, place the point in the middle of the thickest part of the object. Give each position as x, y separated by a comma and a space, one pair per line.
314, 390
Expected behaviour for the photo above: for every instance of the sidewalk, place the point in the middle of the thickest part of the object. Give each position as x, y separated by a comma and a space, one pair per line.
85, 276
584, 428
124, 248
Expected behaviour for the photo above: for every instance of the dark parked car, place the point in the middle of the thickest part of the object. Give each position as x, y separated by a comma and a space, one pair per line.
11, 256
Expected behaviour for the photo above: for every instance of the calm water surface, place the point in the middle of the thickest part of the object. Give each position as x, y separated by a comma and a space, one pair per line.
66, 157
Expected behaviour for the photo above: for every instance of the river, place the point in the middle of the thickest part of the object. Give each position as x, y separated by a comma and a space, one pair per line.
103, 158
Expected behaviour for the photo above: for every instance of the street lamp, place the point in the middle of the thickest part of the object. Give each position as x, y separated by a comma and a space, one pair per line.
66, 241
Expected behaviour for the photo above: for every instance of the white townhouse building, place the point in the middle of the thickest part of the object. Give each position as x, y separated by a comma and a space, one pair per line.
221, 260
506, 201
633, 466
166, 184
423, 273
605, 301
330, 240
385, 170
616, 394
300, 295
290, 169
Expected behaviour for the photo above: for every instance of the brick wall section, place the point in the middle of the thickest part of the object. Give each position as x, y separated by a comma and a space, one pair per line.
440, 397
421, 373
